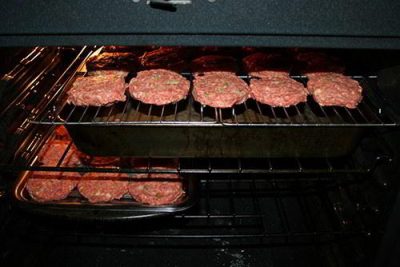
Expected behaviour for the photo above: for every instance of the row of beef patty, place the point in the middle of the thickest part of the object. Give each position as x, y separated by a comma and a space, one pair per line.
218, 89
145, 188
197, 59
215, 81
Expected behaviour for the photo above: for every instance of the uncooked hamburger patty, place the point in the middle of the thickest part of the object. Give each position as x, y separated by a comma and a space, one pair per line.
334, 89
113, 61
53, 185
159, 87
214, 63
61, 133
98, 187
167, 57
156, 193
52, 152
260, 61
51, 189
315, 61
270, 74
100, 161
214, 50
220, 89
100, 88
278, 92
266, 65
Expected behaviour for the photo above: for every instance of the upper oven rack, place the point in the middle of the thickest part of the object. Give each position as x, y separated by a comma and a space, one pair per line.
371, 112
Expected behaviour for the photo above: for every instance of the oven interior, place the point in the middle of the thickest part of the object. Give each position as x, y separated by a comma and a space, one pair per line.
258, 209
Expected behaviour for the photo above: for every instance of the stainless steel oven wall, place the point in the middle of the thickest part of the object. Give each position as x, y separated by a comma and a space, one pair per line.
313, 23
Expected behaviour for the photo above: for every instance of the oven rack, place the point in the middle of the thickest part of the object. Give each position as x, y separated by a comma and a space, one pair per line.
234, 166
28, 160
26, 74
231, 212
33, 96
249, 114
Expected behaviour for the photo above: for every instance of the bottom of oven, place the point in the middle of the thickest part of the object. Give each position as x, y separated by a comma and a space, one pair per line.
249, 220
67, 255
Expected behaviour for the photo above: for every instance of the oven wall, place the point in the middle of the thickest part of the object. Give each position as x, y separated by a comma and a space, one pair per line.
361, 24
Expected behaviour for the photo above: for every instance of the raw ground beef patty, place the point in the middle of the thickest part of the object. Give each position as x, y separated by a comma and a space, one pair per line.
100, 88
278, 92
113, 61
266, 65
98, 187
159, 87
259, 61
316, 61
50, 189
333, 89
167, 57
51, 153
47, 186
220, 89
104, 162
156, 192
61, 133
270, 74
214, 63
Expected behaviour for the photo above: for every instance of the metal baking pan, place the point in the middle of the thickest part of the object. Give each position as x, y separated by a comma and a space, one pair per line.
156, 142
307, 134
76, 208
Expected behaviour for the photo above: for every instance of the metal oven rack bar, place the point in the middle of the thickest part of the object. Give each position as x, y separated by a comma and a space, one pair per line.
28, 160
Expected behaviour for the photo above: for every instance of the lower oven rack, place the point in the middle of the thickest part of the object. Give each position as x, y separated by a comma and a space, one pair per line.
297, 176
207, 166
230, 213
265, 203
